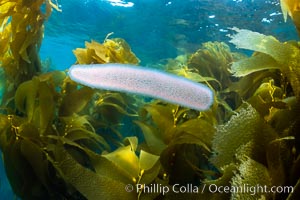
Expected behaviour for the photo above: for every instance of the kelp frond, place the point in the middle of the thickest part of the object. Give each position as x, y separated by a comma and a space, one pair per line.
54, 5
291, 8
274, 55
21, 25
111, 51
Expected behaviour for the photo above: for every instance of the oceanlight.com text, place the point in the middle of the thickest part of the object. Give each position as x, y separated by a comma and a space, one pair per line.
250, 189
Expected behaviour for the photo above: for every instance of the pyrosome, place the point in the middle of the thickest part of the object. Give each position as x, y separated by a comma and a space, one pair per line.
144, 81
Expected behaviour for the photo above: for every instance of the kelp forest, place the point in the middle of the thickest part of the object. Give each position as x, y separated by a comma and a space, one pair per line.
63, 140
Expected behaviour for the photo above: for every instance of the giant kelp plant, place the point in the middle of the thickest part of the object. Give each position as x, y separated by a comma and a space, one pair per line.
21, 35
61, 140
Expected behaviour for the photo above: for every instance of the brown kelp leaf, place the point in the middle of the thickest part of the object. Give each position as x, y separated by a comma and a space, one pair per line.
77, 121
75, 101
227, 172
148, 165
125, 158
185, 163
105, 167
14, 165
252, 174
239, 130
184, 71
112, 50
6, 7
286, 54
257, 62
73, 145
247, 85
150, 175
78, 130
89, 183
163, 118
53, 5
55, 78
81, 56
16, 42
132, 142
155, 144
288, 7
100, 51
196, 131
147, 160
120, 51
261, 106
283, 119
77, 134
36, 98
46, 106
171, 125
118, 108
111, 107
5, 36
22, 178
269, 45
267, 97
291, 7
25, 97
28, 41
21, 34
35, 156
269, 92
280, 159
29, 131
212, 60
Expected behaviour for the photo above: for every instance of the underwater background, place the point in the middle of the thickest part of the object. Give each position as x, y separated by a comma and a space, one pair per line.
157, 29
198, 39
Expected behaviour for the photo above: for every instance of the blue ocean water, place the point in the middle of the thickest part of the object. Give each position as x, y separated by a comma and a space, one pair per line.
155, 29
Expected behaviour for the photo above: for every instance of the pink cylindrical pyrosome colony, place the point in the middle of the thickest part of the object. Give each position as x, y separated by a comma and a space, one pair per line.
144, 81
